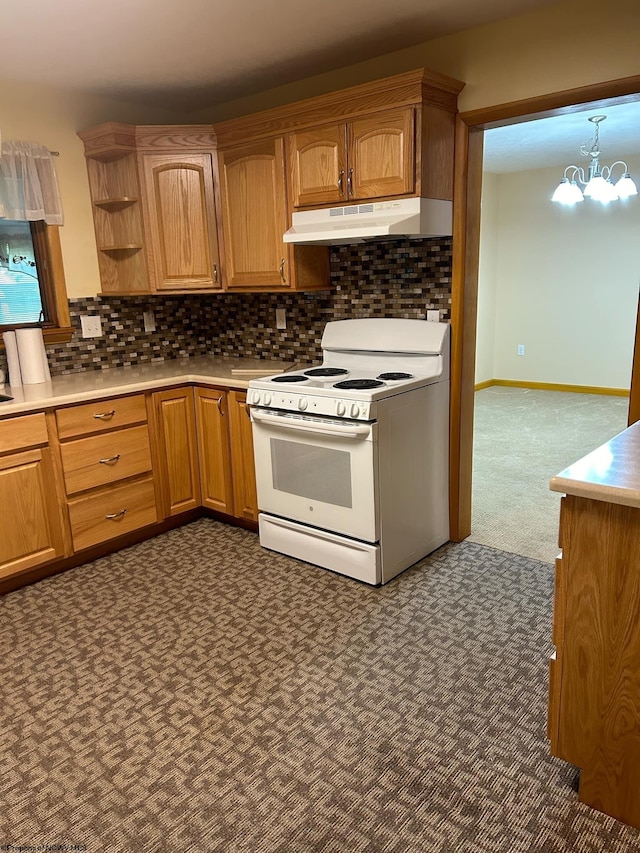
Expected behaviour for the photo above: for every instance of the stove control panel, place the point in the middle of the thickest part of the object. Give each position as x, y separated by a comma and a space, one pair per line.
310, 404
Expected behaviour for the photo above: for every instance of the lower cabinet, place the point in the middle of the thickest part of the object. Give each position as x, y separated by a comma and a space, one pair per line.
225, 451
594, 700
88, 473
245, 503
214, 450
31, 525
175, 423
105, 454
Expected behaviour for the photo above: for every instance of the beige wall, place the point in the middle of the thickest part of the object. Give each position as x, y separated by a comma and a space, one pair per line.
566, 284
555, 48
559, 47
52, 118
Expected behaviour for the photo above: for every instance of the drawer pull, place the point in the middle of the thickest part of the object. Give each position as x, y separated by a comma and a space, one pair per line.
113, 515
109, 460
105, 416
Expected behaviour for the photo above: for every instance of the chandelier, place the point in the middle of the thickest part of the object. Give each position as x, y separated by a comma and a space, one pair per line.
597, 182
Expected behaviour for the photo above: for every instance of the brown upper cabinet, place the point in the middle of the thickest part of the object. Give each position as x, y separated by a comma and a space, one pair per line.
367, 158
182, 218
154, 194
164, 222
255, 217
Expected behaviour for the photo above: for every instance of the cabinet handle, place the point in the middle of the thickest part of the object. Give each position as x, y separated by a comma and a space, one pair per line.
215, 273
247, 411
341, 181
219, 404
282, 275
105, 416
109, 460
350, 182
113, 515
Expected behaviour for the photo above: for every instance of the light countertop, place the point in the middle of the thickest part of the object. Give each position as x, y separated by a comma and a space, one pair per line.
94, 384
611, 473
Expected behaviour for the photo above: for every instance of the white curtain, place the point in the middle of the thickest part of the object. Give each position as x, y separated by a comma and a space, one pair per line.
28, 184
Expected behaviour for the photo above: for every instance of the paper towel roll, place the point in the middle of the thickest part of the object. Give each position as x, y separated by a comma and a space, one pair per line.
13, 360
33, 358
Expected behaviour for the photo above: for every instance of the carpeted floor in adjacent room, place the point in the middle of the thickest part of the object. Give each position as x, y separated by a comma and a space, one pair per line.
197, 693
522, 438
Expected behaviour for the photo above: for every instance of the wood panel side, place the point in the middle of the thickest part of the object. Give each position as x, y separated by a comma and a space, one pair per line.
600, 700
464, 300
437, 153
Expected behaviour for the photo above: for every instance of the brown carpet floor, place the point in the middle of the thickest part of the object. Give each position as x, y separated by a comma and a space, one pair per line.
197, 693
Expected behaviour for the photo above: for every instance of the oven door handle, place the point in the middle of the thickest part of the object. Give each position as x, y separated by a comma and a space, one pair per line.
310, 426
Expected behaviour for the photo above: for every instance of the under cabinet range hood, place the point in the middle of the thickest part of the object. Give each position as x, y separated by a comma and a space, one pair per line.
355, 223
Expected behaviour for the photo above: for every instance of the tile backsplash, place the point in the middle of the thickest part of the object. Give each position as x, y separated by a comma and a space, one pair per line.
394, 278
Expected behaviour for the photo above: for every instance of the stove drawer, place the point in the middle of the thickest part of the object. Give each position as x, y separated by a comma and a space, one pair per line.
357, 560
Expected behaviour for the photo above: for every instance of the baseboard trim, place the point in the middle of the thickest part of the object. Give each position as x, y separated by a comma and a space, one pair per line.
551, 386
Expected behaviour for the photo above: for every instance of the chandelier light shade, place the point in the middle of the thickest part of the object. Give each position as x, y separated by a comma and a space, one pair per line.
597, 182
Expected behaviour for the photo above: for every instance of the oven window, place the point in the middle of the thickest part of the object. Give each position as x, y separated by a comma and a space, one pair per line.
310, 471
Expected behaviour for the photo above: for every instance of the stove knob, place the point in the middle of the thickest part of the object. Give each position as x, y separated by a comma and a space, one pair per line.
302, 404
267, 399
340, 408
355, 410
255, 397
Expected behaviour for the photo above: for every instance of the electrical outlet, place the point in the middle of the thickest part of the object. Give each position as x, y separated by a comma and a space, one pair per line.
520, 349
433, 315
91, 325
149, 321
281, 318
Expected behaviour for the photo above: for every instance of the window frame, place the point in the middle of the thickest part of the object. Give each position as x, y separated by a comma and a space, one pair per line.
53, 287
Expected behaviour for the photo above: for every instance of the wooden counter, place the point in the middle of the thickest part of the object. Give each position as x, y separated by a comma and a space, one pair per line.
594, 690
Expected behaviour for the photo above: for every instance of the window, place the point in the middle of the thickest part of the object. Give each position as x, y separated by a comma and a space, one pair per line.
20, 298
32, 286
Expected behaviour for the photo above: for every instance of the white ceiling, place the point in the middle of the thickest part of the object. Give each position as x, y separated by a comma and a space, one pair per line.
195, 53
556, 141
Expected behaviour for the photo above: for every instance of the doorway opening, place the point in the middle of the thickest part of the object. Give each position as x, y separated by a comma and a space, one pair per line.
470, 133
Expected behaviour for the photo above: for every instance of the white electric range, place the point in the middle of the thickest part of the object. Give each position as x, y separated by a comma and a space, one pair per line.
352, 455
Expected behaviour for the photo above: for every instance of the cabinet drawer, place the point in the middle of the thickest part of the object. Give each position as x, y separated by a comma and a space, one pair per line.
101, 415
25, 431
112, 512
101, 459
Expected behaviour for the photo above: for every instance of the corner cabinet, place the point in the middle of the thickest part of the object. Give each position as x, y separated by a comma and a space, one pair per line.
177, 453
369, 157
225, 451
154, 200
245, 497
255, 217
181, 212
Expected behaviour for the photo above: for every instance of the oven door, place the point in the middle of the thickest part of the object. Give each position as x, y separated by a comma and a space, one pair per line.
318, 471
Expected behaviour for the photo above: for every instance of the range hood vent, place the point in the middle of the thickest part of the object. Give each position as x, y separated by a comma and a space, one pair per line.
355, 223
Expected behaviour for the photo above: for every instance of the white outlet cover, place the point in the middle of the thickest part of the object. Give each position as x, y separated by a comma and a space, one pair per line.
91, 325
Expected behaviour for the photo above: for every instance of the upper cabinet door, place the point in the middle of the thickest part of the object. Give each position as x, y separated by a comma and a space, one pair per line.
381, 155
182, 221
319, 165
254, 214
